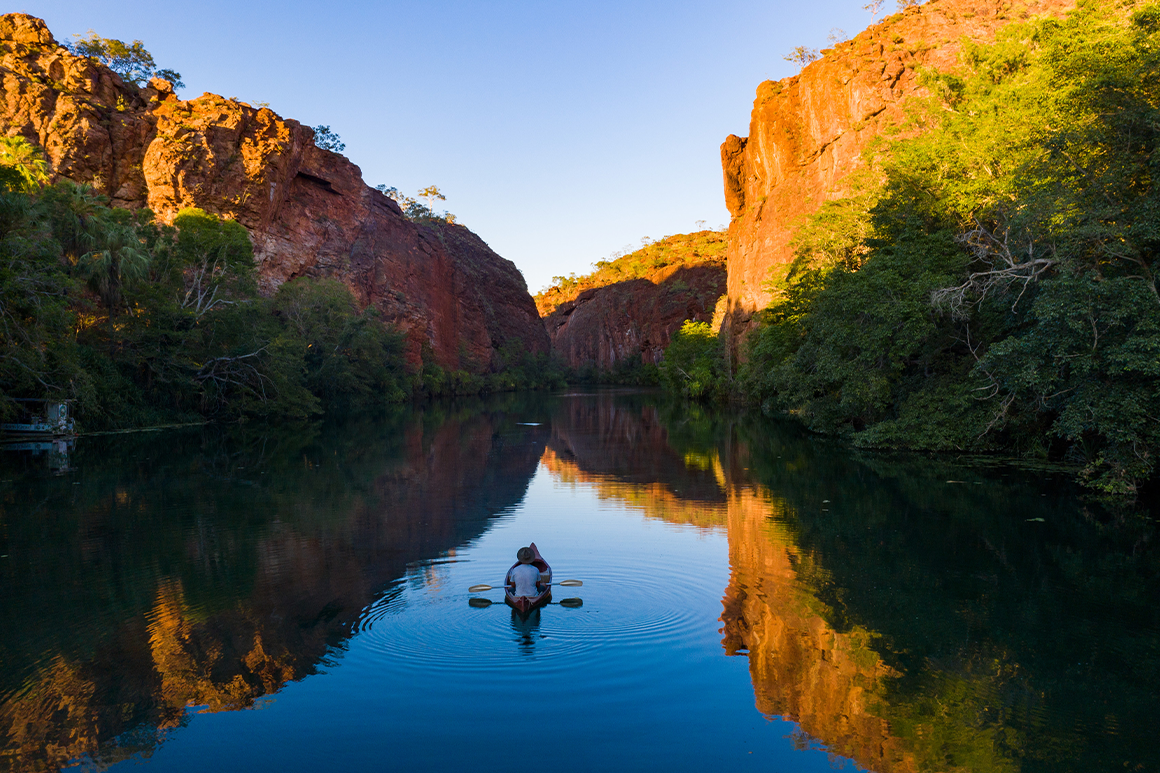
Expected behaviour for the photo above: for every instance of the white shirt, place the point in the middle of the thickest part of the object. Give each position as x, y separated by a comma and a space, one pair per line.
525, 577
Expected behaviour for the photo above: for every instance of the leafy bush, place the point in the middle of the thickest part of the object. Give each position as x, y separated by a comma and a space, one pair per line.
694, 365
350, 360
417, 211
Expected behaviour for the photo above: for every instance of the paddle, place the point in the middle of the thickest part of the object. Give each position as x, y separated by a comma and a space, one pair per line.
565, 583
478, 603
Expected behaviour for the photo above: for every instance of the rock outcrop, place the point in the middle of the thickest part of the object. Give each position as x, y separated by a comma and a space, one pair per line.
807, 133
308, 211
603, 320
634, 320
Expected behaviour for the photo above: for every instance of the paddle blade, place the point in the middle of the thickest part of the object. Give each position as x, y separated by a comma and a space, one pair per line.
479, 603
570, 583
478, 588
572, 603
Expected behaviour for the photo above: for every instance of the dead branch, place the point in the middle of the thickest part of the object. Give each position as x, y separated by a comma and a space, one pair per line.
202, 293
1004, 268
237, 371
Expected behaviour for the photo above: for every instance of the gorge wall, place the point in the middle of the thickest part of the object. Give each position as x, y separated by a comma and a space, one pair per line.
307, 210
628, 309
807, 133
634, 320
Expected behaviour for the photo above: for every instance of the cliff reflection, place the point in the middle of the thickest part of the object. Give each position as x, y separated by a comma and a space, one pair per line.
908, 613
619, 444
828, 681
202, 570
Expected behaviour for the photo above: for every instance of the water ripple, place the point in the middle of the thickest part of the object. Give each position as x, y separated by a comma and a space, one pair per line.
637, 608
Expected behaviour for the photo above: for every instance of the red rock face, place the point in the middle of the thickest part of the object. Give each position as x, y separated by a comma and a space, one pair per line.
807, 133
308, 211
635, 319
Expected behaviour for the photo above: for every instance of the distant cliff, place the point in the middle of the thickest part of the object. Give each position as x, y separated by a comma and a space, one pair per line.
308, 210
807, 133
628, 309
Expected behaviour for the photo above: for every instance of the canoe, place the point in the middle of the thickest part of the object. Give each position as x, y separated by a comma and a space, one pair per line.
525, 604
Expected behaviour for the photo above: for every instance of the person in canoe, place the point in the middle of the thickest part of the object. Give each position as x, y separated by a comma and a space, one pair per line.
524, 578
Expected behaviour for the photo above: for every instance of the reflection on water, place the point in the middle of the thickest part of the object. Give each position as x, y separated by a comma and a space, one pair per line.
203, 569
527, 630
53, 453
909, 614
828, 680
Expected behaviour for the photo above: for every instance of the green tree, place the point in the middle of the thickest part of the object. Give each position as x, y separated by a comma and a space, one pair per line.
351, 360
326, 139
995, 283
216, 261
129, 60
36, 353
693, 365
101, 243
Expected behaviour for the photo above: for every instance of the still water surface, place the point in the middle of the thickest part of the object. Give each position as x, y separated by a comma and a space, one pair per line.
753, 599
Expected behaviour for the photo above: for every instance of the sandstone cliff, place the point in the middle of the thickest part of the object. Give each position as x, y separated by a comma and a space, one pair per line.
307, 210
807, 133
629, 309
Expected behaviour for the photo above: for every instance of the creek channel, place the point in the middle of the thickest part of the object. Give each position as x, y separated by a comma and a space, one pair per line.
753, 598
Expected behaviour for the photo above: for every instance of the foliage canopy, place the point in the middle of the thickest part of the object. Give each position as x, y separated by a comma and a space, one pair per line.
142, 322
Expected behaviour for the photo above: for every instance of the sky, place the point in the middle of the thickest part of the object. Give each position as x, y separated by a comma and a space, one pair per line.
560, 132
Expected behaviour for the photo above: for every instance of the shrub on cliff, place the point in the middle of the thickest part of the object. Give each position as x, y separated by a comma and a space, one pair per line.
23, 164
997, 286
417, 211
326, 139
129, 60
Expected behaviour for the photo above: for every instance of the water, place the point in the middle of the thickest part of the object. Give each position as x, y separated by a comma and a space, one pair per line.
754, 599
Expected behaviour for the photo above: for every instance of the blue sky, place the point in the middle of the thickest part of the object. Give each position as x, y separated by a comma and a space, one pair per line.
560, 132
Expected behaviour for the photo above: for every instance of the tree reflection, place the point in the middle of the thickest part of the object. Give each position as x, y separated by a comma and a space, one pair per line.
199, 570
912, 613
